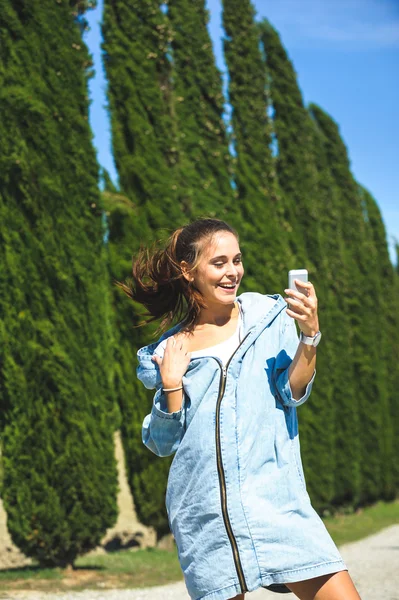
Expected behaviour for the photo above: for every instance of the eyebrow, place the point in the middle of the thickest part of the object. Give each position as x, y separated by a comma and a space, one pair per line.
224, 256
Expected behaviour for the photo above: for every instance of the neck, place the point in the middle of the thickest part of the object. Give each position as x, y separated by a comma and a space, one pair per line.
218, 315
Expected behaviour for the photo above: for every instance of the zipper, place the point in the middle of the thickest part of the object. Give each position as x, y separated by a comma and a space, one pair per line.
220, 468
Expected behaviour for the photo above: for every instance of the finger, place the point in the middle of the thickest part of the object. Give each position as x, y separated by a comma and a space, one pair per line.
295, 291
307, 285
296, 315
299, 308
178, 344
300, 302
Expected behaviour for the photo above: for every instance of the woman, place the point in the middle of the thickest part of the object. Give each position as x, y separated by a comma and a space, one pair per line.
228, 379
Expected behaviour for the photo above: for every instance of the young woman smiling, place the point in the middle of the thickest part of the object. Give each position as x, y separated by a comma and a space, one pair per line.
228, 379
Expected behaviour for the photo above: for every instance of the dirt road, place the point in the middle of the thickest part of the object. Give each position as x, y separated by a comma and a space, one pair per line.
373, 565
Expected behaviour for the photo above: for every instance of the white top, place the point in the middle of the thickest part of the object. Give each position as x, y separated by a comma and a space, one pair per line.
223, 350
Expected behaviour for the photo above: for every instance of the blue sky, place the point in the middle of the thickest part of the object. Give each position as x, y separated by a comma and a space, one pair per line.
346, 56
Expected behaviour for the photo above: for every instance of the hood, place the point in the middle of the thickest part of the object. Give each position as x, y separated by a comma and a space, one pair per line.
255, 307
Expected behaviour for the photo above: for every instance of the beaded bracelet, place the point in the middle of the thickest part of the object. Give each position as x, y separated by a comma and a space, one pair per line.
172, 389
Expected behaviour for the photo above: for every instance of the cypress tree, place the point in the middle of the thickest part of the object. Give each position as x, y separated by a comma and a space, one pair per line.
176, 124
146, 474
56, 337
265, 229
204, 162
292, 126
365, 323
298, 177
336, 480
141, 103
386, 309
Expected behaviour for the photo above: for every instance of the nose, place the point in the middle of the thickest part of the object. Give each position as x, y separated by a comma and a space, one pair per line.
232, 271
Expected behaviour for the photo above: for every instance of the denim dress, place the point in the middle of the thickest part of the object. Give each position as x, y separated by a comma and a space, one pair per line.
236, 495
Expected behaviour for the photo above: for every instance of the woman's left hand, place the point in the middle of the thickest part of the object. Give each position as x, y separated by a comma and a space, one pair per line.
303, 307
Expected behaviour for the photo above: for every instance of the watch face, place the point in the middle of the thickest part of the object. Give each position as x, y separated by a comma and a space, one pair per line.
317, 338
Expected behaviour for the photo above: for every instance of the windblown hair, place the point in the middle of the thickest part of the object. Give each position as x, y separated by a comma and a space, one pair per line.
158, 282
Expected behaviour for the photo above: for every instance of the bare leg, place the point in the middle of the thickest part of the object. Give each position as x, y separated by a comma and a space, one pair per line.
334, 586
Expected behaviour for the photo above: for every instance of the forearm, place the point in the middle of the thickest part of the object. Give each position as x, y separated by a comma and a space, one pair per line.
301, 369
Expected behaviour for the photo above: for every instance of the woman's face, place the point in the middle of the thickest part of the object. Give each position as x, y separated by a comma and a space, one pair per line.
220, 269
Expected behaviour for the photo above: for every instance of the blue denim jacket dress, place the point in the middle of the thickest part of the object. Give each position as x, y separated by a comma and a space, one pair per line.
236, 496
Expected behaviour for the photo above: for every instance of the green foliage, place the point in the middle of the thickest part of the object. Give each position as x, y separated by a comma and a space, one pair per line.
295, 160
266, 233
204, 162
69, 336
173, 164
299, 207
365, 305
56, 337
385, 304
140, 100
300, 180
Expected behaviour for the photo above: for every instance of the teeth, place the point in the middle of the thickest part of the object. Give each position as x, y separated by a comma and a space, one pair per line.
231, 286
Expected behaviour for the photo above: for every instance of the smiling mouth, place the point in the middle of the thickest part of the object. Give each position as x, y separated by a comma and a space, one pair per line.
227, 286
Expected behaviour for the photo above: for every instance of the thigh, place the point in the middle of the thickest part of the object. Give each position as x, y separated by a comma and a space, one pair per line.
334, 586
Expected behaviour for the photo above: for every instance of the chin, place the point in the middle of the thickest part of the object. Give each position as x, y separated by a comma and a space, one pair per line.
227, 298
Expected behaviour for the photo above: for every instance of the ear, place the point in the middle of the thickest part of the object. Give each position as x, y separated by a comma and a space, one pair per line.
184, 267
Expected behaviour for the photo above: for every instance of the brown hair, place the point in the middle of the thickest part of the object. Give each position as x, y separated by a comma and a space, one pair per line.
158, 282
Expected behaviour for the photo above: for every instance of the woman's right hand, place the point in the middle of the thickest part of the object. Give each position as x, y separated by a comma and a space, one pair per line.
175, 361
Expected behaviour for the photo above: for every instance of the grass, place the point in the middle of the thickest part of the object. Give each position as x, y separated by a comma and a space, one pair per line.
366, 521
122, 569
145, 568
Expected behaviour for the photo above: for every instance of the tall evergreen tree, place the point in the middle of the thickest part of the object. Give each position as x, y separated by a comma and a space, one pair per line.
141, 102
386, 308
146, 474
336, 480
266, 231
204, 163
56, 338
292, 126
333, 469
300, 171
365, 323
141, 105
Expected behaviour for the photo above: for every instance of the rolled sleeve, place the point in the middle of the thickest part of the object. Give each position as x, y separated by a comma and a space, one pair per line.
289, 341
162, 431
285, 392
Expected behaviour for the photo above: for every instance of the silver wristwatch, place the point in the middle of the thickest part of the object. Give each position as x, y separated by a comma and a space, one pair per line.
310, 341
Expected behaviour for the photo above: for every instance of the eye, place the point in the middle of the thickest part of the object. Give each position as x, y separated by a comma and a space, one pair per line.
236, 260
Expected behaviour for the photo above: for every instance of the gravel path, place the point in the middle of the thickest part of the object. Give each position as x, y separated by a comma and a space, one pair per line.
373, 564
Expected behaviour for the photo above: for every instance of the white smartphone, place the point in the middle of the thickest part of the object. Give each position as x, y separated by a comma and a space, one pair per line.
300, 274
